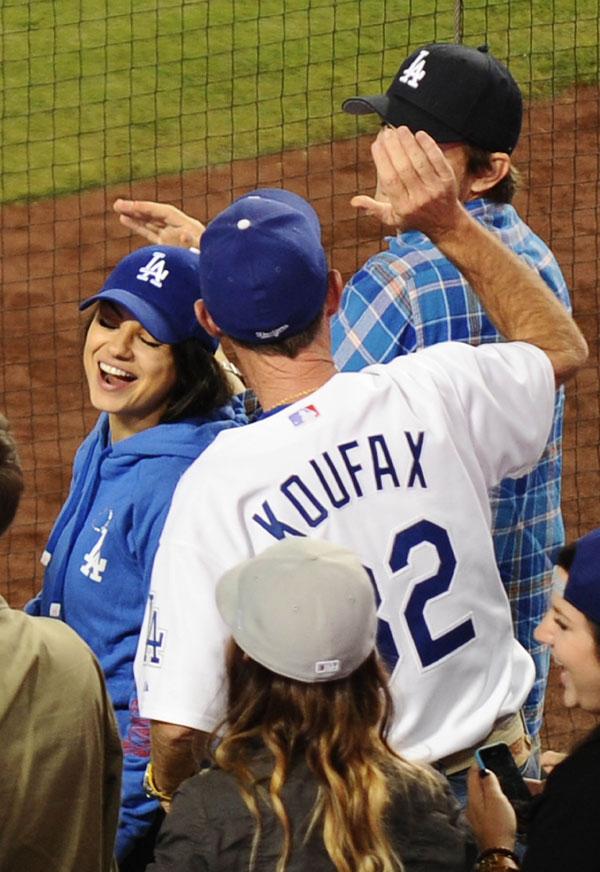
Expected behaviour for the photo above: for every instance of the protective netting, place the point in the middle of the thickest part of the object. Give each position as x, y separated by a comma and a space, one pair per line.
196, 102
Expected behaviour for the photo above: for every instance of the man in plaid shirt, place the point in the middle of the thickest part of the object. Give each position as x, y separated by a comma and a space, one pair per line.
411, 296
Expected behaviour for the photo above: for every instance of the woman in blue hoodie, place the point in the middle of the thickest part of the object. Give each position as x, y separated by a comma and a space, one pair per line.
163, 397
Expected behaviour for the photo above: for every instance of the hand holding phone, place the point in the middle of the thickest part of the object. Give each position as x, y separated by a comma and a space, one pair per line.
492, 817
499, 759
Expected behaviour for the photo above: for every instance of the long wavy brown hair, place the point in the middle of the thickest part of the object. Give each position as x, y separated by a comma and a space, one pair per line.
339, 727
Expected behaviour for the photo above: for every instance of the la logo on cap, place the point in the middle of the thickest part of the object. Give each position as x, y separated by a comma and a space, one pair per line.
413, 74
155, 270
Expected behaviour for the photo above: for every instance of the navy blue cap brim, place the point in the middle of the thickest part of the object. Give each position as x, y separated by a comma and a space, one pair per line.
151, 319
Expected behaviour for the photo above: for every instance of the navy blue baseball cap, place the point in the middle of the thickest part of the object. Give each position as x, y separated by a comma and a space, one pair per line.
159, 285
583, 585
455, 93
263, 270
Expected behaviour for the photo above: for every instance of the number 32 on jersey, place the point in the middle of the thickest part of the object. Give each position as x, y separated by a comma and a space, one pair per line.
430, 650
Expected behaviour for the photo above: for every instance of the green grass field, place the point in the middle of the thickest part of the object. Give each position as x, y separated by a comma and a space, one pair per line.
100, 91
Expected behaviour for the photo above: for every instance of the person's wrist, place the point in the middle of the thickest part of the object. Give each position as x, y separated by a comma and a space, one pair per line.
152, 790
502, 838
451, 231
495, 859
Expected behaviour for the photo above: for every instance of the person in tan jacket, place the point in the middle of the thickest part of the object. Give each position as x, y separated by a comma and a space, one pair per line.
61, 754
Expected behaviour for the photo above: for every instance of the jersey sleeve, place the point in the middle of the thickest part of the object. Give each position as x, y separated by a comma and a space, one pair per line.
498, 401
374, 323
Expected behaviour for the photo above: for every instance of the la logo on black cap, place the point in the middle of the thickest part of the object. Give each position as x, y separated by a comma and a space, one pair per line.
416, 71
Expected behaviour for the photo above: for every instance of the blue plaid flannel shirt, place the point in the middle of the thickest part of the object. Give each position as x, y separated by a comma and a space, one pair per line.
411, 296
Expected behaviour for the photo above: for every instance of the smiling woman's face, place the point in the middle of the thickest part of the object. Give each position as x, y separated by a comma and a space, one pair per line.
130, 375
567, 632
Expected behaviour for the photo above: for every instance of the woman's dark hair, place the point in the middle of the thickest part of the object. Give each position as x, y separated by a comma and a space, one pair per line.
201, 385
566, 556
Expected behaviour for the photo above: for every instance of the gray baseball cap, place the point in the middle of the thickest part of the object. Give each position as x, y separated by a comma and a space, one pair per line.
303, 608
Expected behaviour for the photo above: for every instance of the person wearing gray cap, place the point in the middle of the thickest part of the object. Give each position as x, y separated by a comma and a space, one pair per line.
303, 777
411, 296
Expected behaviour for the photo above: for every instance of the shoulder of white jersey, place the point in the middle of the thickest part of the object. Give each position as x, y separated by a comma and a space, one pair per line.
461, 353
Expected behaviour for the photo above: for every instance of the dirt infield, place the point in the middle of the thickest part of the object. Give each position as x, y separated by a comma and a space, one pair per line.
55, 252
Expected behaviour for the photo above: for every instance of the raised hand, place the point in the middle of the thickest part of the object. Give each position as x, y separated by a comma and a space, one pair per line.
159, 222
417, 182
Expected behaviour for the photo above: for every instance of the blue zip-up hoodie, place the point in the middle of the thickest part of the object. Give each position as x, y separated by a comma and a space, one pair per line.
99, 561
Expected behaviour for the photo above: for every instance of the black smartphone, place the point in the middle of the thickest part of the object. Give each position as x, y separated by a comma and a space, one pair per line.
499, 759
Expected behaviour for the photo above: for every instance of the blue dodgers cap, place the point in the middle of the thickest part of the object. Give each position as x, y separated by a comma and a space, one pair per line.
583, 586
263, 270
159, 285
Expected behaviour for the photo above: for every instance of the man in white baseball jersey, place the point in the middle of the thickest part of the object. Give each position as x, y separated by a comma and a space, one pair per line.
394, 462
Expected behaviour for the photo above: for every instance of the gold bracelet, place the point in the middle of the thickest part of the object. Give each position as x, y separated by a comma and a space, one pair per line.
150, 788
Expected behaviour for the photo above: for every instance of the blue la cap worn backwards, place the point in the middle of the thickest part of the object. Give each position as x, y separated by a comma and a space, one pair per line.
583, 586
263, 270
159, 285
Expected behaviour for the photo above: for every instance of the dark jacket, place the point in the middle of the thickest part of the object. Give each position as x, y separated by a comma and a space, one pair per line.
209, 828
563, 828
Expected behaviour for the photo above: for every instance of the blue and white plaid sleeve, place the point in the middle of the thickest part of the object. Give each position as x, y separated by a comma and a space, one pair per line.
374, 323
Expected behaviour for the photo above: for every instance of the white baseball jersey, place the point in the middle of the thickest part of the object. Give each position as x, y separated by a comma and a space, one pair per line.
395, 463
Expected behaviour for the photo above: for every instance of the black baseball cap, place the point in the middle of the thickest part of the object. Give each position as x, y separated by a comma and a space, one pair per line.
453, 92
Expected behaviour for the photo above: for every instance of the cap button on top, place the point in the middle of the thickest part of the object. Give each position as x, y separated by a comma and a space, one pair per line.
243, 224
